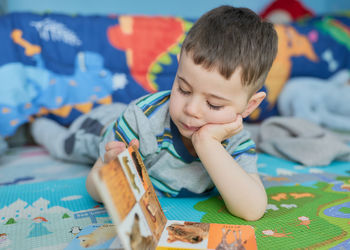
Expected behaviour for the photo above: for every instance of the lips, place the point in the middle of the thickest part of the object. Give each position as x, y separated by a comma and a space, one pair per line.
191, 128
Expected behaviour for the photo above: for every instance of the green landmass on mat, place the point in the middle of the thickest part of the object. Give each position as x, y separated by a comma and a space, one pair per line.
10, 221
65, 216
292, 220
345, 210
345, 179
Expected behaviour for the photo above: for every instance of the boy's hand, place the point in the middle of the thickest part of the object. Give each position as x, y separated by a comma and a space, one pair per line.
218, 132
114, 148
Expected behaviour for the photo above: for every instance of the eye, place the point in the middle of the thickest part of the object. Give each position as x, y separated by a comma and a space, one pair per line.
214, 107
184, 92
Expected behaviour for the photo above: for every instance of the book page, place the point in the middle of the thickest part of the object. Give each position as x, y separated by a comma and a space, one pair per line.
118, 187
131, 201
194, 235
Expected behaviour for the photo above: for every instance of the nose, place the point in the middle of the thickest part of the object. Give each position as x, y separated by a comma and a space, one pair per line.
192, 107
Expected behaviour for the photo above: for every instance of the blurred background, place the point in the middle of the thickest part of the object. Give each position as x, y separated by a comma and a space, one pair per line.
184, 8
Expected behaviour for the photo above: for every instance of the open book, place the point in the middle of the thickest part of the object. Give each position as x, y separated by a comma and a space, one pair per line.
131, 201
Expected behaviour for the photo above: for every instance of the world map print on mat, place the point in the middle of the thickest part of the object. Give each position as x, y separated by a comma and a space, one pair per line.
309, 207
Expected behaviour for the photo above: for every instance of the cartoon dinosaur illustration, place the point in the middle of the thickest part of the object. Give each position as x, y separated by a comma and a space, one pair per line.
304, 221
146, 41
29, 49
301, 195
45, 92
279, 196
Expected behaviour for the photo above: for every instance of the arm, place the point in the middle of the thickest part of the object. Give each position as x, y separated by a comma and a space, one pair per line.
90, 185
243, 193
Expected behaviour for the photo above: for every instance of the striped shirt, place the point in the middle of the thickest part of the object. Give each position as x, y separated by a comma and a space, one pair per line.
171, 167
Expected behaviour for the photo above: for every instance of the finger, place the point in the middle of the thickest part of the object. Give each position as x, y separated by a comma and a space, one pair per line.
135, 142
238, 126
238, 123
238, 129
112, 154
114, 144
239, 118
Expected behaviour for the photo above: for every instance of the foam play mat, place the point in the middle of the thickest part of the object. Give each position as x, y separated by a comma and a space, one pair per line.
309, 207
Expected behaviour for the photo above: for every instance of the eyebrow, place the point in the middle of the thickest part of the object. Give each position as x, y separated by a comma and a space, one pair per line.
211, 95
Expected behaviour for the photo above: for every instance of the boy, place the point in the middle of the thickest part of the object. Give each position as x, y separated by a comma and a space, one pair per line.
191, 138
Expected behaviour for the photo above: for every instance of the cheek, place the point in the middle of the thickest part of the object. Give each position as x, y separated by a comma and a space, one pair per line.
174, 106
221, 116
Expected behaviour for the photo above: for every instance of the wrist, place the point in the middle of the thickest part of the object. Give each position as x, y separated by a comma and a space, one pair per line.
207, 143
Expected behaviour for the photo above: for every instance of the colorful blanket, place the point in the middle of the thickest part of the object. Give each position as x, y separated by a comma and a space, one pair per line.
309, 207
61, 66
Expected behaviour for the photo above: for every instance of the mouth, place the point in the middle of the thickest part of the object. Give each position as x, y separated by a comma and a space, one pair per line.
190, 128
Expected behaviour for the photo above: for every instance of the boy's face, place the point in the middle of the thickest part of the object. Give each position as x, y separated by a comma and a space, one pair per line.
199, 97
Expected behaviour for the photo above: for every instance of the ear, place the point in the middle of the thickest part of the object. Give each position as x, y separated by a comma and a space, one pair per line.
178, 57
253, 103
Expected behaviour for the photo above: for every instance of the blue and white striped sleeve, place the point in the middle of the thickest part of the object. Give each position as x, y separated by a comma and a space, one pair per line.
242, 148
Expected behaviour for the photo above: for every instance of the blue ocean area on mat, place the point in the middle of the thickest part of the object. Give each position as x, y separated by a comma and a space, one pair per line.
70, 194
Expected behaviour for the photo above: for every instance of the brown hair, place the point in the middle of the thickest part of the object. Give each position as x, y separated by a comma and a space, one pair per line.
227, 38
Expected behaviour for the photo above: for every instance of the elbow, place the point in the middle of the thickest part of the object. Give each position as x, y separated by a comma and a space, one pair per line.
96, 197
252, 212
93, 193
90, 184
253, 216
257, 212
91, 189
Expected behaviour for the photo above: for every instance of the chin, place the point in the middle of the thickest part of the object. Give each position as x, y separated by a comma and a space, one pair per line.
186, 134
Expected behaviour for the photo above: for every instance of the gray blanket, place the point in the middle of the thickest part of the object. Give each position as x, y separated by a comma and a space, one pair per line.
301, 141
3, 145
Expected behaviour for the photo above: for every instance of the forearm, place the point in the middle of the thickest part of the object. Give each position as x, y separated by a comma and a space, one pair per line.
90, 185
243, 194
